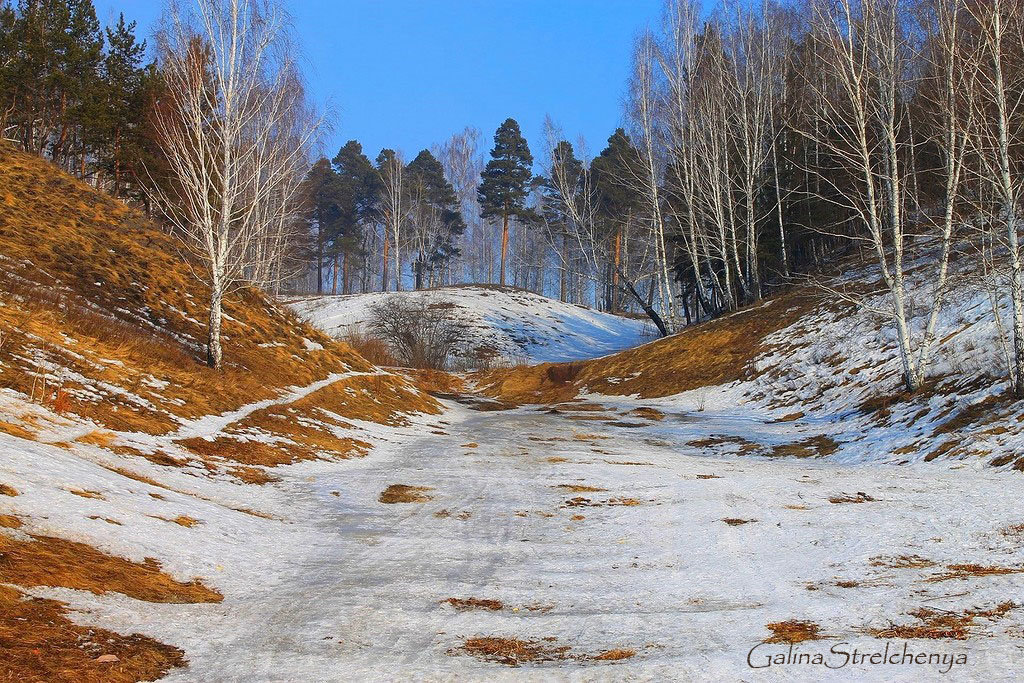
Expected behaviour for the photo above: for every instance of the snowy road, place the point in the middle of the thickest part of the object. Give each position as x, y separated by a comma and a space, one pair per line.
646, 563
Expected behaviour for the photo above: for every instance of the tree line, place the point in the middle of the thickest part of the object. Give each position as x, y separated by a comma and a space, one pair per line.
75, 92
767, 135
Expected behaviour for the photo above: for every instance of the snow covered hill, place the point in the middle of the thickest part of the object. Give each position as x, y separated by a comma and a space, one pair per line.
508, 325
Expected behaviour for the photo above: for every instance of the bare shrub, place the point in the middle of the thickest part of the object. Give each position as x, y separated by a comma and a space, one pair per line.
419, 334
371, 348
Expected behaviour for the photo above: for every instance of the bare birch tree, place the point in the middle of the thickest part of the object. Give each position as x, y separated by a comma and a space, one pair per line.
230, 136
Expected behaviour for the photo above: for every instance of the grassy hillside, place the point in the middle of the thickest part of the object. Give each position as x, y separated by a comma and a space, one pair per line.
102, 306
125, 462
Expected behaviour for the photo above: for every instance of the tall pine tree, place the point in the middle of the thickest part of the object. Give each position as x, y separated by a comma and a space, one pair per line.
438, 220
505, 181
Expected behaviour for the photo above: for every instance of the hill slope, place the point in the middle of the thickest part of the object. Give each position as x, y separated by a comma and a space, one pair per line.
829, 369
126, 465
503, 324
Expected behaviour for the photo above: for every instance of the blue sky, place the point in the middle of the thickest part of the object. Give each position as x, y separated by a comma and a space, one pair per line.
407, 73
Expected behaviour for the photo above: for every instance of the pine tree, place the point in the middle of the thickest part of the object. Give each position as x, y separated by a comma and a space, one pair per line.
436, 211
358, 184
614, 172
124, 84
324, 198
505, 181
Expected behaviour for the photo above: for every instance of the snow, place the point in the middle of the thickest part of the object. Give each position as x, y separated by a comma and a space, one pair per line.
336, 586
346, 588
520, 326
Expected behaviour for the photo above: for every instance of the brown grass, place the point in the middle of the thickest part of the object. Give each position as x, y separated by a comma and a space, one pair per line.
736, 521
580, 501
512, 651
10, 522
16, 431
859, 497
579, 488
403, 493
793, 631
815, 446
648, 413
475, 603
85, 493
711, 353
968, 571
615, 655
50, 561
901, 562
941, 625
39, 643
6, 490
82, 265
708, 476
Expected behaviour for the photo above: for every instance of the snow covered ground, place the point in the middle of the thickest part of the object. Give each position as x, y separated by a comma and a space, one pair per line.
519, 326
665, 547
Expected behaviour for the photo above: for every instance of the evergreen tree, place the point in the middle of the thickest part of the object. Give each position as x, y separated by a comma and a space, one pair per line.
436, 213
325, 199
614, 171
118, 140
505, 181
358, 189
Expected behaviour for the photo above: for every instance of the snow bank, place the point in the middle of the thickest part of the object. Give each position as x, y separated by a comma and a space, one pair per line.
516, 325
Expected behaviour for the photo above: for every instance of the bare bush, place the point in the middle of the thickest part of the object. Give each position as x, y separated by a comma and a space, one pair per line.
420, 334
371, 348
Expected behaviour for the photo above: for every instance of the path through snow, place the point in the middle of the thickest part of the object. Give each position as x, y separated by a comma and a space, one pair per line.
352, 589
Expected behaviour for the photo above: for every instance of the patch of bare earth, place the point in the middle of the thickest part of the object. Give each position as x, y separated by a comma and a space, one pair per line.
815, 446
580, 501
403, 493
736, 521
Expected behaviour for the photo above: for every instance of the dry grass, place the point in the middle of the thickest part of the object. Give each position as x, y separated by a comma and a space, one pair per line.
580, 501
50, 561
16, 431
615, 655
711, 353
403, 493
708, 476
969, 571
815, 446
648, 413
736, 521
512, 651
39, 643
6, 490
81, 266
901, 562
475, 603
941, 625
793, 631
579, 488
85, 493
10, 522
859, 497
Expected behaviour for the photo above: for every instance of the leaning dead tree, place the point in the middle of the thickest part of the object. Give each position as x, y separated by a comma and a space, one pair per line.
234, 132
